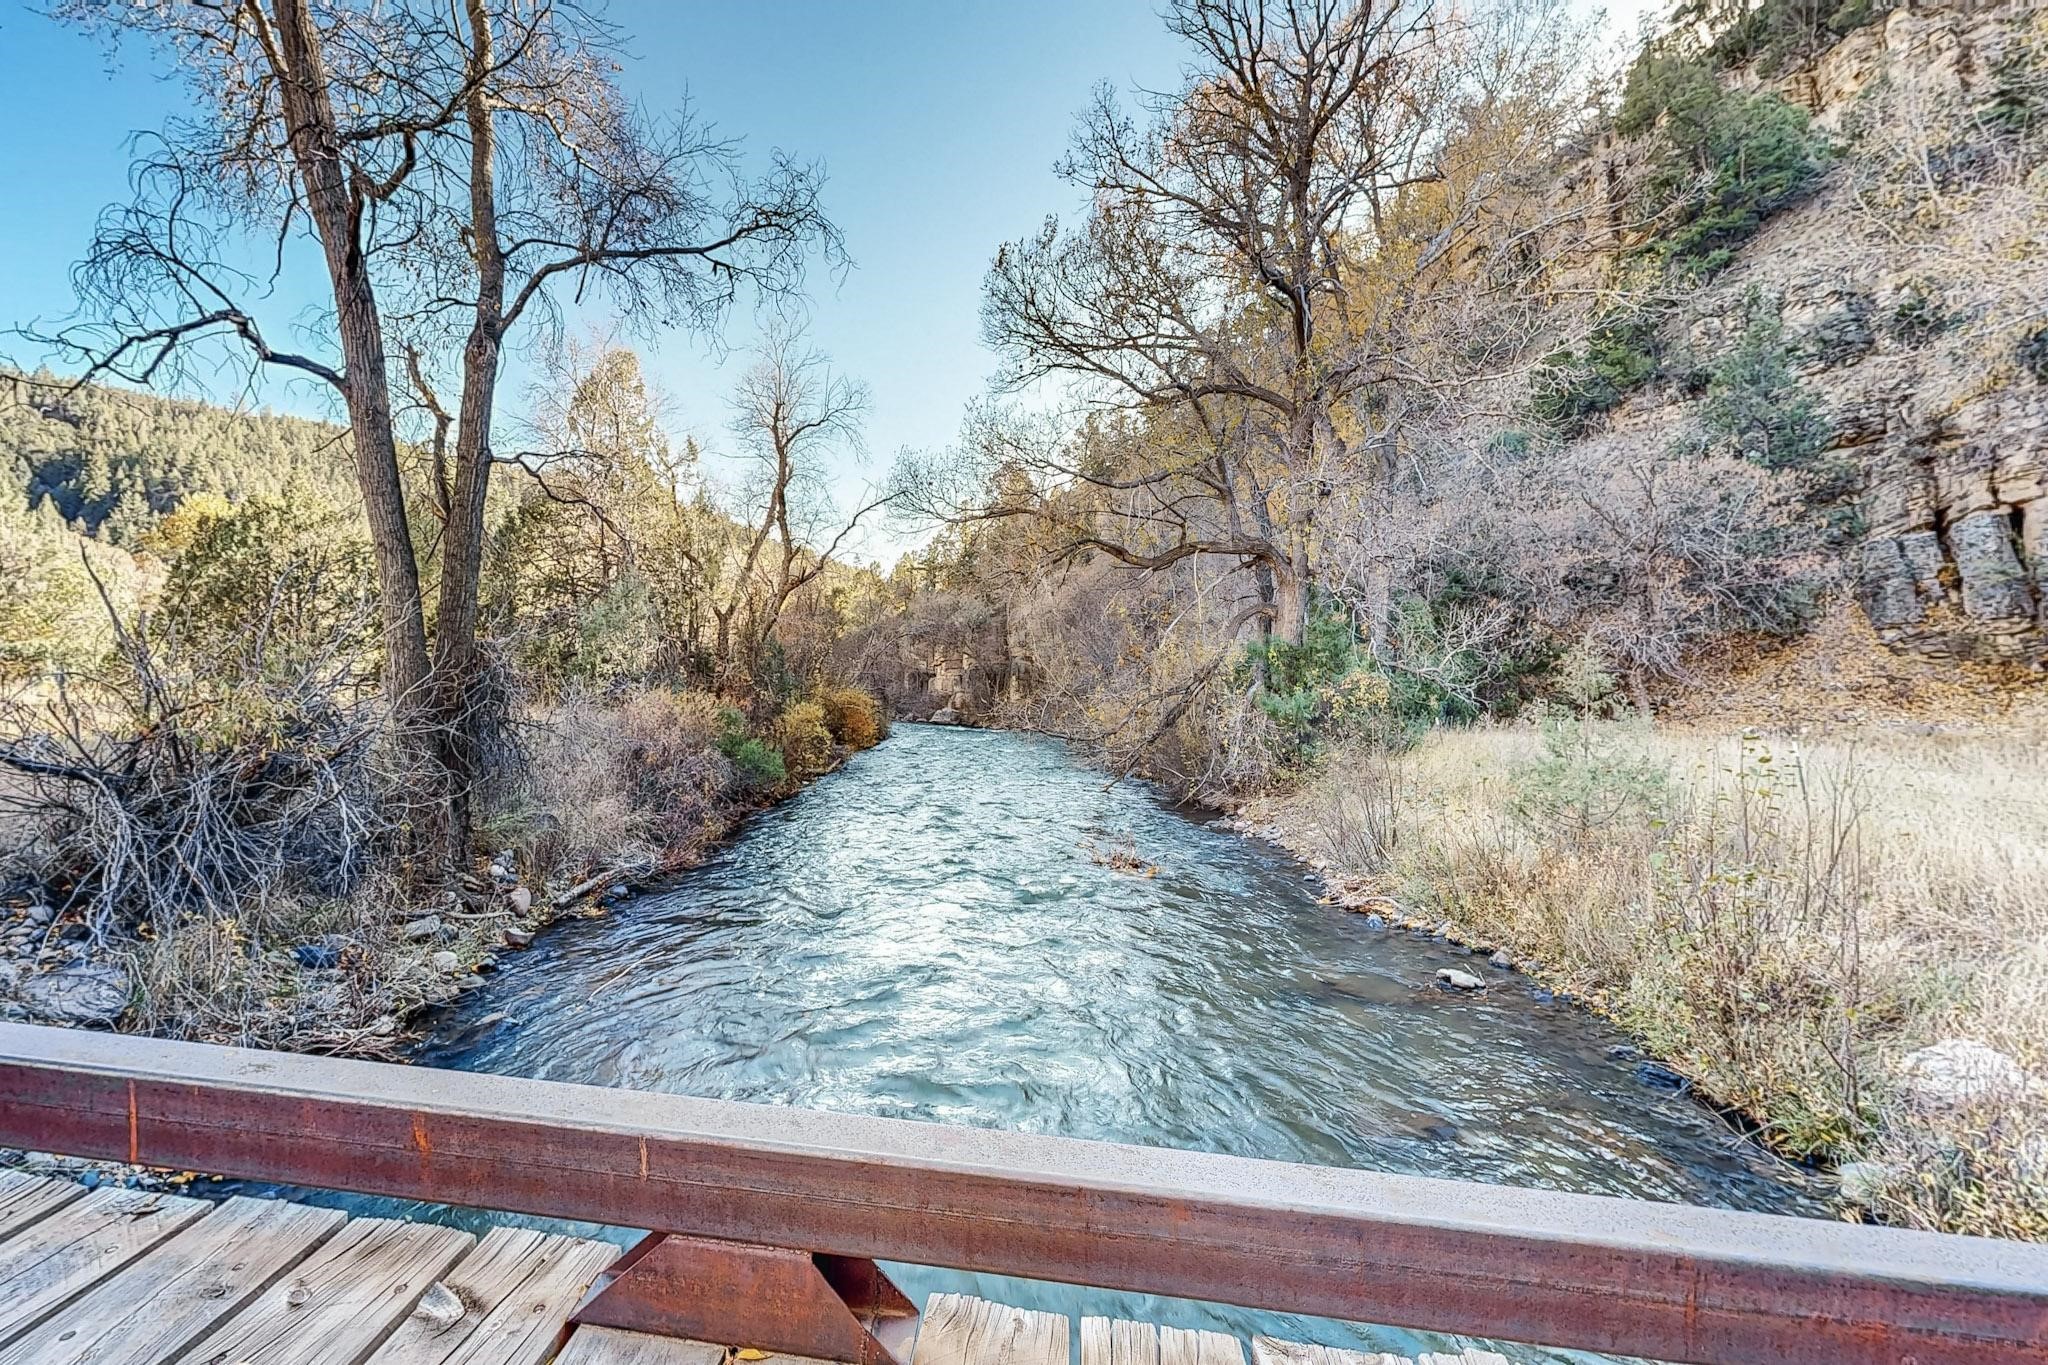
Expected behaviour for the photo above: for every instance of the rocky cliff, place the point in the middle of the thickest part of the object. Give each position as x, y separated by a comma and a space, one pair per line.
1913, 292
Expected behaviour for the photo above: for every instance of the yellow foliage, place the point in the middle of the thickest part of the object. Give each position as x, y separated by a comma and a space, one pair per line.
853, 715
805, 741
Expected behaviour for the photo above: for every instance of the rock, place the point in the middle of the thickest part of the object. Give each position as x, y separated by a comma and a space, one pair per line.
1375, 922
87, 994
38, 914
518, 938
1660, 1077
1502, 960
322, 952
520, 899
1960, 1071
424, 928
1623, 1052
487, 963
945, 715
1459, 981
1864, 1181
617, 891
445, 962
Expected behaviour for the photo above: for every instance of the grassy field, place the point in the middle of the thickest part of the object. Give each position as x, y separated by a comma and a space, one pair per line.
1787, 922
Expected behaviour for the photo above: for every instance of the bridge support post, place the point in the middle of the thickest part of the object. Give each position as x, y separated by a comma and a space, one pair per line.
772, 1298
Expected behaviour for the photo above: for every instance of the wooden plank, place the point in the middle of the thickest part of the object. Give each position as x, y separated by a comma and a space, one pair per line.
24, 1198
53, 1261
341, 1302
506, 1303
1272, 1351
961, 1330
1113, 1341
1180, 1346
1667, 1281
610, 1346
154, 1309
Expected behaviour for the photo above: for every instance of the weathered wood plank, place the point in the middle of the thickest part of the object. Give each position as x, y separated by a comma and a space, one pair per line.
1113, 1341
154, 1309
1180, 1346
24, 1198
961, 1330
342, 1301
610, 1346
506, 1303
1272, 1351
50, 1262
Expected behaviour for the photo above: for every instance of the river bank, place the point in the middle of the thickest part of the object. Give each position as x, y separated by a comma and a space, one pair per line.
606, 797
1841, 943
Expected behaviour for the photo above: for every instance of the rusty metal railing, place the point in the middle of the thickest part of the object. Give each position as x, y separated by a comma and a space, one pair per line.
1667, 1281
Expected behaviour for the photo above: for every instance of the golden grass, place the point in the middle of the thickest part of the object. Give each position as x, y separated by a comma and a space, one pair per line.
1784, 920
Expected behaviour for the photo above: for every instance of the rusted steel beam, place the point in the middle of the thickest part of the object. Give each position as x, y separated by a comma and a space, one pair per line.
793, 1302
1661, 1280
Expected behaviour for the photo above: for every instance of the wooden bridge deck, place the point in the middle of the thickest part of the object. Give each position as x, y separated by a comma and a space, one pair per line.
128, 1277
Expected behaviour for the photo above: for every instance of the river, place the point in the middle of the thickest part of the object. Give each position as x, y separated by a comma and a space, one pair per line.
927, 934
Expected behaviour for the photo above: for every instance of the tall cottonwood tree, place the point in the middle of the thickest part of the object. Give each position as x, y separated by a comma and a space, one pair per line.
454, 165
1333, 222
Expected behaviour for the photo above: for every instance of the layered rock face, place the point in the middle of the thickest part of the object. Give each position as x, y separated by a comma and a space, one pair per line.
1913, 289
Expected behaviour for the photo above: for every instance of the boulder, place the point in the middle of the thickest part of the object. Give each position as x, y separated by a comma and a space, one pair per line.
424, 928
520, 899
85, 994
1459, 981
1961, 1071
518, 938
1375, 922
945, 715
1502, 960
445, 962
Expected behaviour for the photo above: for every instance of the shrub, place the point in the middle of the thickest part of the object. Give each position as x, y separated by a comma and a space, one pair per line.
759, 764
1728, 160
853, 715
801, 733
1574, 386
1757, 403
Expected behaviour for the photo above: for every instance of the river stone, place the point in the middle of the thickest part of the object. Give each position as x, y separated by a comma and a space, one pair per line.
1375, 922
1864, 1181
520, 899
518, 938
1502, 960
945, 715
1660, 1077
423, 928
445, 961
1457, 980
87, 994
1960, 1071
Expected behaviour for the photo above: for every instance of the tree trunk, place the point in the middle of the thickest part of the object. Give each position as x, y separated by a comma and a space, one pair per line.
1290, 601
316, 146
463, 541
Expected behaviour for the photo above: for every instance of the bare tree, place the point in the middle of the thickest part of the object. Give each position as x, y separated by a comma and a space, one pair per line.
455, 166
791, 414
1335, 221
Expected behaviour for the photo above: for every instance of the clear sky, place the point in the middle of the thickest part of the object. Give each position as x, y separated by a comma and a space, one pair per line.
938, 122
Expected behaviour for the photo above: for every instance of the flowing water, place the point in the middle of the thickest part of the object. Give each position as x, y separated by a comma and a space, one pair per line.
927, 935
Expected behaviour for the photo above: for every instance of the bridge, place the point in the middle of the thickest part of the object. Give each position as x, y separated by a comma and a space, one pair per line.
763, 1224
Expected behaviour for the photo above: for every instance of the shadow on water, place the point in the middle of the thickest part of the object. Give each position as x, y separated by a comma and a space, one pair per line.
924, 935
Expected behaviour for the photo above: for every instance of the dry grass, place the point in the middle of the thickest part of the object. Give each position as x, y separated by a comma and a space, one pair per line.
1784, 921
638, 780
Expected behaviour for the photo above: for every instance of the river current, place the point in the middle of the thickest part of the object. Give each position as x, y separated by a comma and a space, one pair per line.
934, 933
